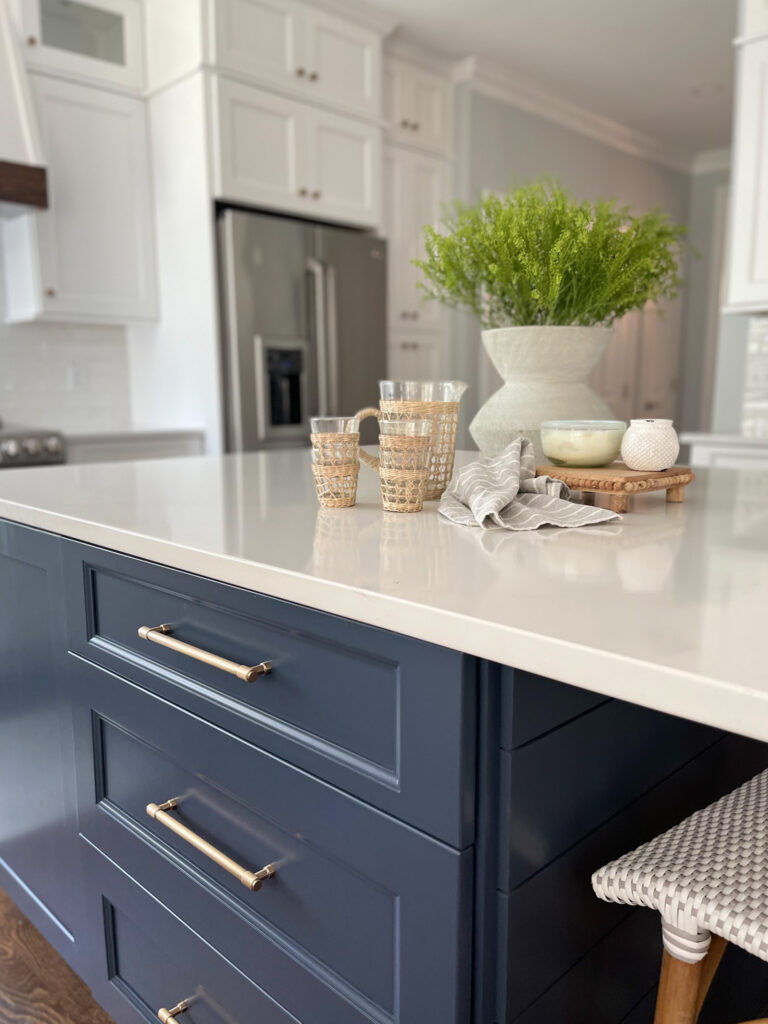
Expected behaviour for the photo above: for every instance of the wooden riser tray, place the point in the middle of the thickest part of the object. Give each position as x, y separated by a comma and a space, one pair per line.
620, 483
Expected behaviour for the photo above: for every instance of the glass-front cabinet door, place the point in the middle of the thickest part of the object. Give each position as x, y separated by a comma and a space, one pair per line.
96, 41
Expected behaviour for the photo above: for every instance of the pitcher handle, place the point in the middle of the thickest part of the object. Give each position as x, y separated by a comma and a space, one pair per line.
369, 460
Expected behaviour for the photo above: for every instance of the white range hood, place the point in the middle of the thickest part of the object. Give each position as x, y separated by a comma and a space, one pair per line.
22, 171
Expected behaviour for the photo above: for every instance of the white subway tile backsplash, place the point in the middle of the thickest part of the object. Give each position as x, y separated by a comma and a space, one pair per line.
66, 376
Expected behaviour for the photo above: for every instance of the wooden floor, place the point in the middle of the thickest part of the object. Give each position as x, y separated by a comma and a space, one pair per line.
36, 985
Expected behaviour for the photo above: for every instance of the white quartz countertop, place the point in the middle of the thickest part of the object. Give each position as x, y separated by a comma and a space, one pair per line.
667, 607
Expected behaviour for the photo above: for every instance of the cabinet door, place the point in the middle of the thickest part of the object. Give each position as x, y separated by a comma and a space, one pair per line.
97, 41
416, 189
344, 168
417, 106
344, 64
260, 147
748, 277
39, 863
261, 38
416, 357
96, 241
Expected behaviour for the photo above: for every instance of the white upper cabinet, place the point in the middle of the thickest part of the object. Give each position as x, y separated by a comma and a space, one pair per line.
90, 255
317, 56
344, 167
753, 18
99, 41
343, 64
259, 143
277, 153
416, 187
748, 248
417, 106
264, 39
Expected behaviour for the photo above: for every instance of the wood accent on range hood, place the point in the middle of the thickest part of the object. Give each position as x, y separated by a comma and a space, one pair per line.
23, 183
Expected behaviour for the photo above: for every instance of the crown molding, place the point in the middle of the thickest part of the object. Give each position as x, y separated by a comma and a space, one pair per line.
404, 48
363, 13
492, 80
711, 161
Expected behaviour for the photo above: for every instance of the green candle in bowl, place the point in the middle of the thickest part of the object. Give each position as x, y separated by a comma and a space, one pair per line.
582, 443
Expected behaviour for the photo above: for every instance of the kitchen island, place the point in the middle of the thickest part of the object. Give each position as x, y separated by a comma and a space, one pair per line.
444, 732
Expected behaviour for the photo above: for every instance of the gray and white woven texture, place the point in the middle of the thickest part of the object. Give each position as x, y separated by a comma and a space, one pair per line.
708, 875
503, 492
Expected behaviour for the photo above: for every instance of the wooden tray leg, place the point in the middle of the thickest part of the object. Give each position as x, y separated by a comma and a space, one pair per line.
587, 497
619, 503
676, 493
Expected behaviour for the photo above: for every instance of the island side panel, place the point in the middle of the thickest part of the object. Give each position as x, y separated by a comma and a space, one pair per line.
39, 851
581, 780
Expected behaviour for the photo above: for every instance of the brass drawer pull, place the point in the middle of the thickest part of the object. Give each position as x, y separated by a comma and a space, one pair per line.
250, 879
161, 635
166, 1015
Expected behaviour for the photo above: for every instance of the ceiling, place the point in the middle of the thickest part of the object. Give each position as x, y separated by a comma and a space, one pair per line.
660, 67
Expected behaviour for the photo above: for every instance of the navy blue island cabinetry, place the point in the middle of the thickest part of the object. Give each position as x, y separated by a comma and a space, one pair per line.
377, 830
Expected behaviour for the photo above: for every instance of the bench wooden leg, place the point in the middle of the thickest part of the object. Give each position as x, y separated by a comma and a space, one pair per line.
677, 999
717, 947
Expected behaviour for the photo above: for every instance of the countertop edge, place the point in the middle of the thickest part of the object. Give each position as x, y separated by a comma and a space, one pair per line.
601, 671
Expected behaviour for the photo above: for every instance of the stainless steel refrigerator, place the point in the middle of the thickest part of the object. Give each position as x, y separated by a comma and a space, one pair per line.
303, 311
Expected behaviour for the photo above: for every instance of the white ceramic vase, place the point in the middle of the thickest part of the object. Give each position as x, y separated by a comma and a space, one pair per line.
546, 372
650, 445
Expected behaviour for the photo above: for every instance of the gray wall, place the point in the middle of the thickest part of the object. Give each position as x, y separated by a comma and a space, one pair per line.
703, 275
502, 146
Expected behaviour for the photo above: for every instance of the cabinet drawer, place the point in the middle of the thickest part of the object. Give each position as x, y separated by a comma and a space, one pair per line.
357, 706
361, 919
145, 960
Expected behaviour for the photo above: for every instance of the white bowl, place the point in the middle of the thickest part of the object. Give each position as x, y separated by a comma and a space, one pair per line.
582, 443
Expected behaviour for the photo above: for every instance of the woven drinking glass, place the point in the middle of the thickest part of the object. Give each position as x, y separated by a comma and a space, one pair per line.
403, 463
437, 401
336, 459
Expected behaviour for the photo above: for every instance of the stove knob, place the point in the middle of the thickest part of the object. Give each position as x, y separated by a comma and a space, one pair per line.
10, 449
53, 445
32, 447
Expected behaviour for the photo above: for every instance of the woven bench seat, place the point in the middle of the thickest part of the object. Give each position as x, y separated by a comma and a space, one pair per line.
706, 876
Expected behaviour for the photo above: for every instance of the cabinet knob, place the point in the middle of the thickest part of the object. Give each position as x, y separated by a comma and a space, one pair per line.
405, 123
414, 316
303, 191
31, 40
415, 126
409, 346
300, 72
316, 194
50, 292
313, 76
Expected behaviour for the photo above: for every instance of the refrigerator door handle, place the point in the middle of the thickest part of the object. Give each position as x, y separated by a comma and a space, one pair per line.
333, 341
317, 273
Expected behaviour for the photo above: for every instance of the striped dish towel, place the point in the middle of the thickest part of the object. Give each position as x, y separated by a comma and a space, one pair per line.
504, 492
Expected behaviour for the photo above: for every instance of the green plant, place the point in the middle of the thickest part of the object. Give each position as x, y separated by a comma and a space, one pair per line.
538, 256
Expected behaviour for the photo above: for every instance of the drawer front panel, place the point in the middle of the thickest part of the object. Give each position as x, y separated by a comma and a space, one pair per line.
362, 909
355, 705
150, 960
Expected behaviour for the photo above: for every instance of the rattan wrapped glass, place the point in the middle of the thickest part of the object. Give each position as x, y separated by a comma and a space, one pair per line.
403, 463
437, 401
336, 459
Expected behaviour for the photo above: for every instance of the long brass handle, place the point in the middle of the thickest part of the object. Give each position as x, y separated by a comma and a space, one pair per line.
250, 879
161, 635
166, 1015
